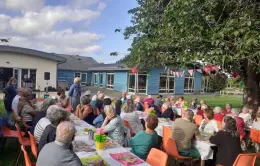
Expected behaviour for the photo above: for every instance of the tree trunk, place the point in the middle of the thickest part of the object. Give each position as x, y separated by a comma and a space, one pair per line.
252, 88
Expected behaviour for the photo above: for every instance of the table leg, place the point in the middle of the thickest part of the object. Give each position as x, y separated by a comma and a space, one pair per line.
202, 163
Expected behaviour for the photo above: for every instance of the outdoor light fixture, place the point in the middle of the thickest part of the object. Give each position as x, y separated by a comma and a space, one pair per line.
8, 62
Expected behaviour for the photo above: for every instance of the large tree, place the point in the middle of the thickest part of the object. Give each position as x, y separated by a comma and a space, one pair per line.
179, 32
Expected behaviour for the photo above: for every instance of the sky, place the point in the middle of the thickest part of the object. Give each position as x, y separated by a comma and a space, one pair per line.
74, 27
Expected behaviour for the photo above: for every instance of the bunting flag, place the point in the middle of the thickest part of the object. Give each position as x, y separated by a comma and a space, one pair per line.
215, 68
177, 74
181, 74
249, 98
173, 73
190, 72
199, 70
255, 102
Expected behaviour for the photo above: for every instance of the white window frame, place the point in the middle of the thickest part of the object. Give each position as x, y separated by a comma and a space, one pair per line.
95, 78
190, 89
136, 88
167, 88
110, 85
86, 81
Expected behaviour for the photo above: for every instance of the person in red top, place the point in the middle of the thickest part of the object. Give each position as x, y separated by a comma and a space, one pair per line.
217, 114
227, 110
240, 122
201, 109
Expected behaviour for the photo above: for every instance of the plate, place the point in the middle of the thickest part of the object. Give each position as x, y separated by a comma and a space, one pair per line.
81, 146
95, 160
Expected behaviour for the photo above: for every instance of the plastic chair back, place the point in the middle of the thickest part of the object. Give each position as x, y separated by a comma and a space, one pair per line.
166, 135
245, 160
198, 119
26, 157
255, 135
34, 147
157, 158
19, 135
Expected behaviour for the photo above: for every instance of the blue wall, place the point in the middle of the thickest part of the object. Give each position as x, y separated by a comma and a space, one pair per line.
68, 75
120, 81
198, 81
104, 79
153, 81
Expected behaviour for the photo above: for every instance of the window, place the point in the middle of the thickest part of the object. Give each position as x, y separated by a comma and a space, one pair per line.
77, 74
137, 84
83, 78
167, 83
101, 79
188, 84
95, 78
110, 80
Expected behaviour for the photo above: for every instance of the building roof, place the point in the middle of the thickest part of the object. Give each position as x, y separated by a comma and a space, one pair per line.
109, 67
27, 51
77, 63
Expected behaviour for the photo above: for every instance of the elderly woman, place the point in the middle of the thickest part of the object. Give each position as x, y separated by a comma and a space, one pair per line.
115, 128
128, 114
218, 116
75, 93
58, 115
227, 110
27, 110
63, 99
228, 142
46, 104
246, 115
98, 121
208, 126
85, 111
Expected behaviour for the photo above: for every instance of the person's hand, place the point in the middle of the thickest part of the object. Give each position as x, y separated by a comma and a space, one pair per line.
110, 116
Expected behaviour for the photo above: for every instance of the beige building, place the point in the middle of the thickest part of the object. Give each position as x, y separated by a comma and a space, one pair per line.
28, 66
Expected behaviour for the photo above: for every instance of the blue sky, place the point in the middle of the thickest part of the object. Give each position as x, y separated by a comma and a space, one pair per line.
77, 27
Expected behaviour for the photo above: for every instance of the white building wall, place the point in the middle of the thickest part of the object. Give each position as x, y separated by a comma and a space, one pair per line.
14, 60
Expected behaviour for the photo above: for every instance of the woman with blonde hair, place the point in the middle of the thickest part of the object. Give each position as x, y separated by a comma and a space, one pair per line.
75, 93
115, 128
128, 114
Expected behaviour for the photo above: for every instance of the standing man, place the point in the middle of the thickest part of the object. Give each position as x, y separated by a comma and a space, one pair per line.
16, 101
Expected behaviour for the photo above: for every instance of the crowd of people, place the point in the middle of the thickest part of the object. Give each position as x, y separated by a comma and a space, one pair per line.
226, 128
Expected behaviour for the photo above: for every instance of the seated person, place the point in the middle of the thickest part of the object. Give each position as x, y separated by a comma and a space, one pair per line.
115, 128
98, 121
228, 142
58, 152
208, 125
201, 109
180, 102
218, 116
123, 97
256, 122
49, 132
26, 108
239, 121
118, 106
246, 115
183, 132
128, 114
227, 110
85, 111
143, 141
138, 104
63, 100
149, 100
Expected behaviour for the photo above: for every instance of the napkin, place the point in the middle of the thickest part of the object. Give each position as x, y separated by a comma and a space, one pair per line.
116, 156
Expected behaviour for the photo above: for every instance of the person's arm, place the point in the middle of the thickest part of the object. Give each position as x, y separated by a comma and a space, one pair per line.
66, 103
216, 139
135, 140
70, 93
86, 112
99, 118
105, 122
112, 125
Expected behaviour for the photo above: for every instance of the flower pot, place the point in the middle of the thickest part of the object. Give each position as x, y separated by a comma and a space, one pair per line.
100, 145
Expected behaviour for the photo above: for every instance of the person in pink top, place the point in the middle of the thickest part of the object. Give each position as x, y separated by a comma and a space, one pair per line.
149, 100
180, 102
217, 114
227, 110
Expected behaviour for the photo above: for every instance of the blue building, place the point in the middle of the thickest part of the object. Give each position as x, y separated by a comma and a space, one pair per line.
120, 78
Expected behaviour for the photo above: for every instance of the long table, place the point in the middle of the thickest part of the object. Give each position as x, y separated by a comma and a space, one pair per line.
104, 154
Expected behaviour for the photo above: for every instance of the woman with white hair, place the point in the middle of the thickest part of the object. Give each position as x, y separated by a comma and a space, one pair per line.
115, 128
75, 93
128, 114
218, 116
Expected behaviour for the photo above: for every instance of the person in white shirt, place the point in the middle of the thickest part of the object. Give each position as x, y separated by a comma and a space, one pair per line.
16, 101
208, 126
128, 114
246, 115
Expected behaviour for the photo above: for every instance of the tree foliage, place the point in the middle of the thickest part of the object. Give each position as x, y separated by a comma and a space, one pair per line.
177, 32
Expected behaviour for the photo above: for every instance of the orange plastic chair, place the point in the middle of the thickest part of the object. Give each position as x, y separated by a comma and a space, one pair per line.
245, 160
126, 123
171, 149
198, 119
157, 158
22, 140
8, 133
255, 135
34, 147
166, 135
27, 158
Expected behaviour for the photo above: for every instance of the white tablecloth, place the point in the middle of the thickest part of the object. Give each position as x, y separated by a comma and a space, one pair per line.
104, 154
205, 149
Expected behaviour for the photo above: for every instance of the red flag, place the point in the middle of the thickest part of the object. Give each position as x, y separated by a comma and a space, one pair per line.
190, 72
216, 68
134, 69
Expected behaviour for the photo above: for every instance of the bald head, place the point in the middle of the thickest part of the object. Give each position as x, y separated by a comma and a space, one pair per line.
65, 132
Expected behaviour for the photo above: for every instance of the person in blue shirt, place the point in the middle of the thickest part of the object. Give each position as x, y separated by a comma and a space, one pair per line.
144, 141
75, 93
118, 106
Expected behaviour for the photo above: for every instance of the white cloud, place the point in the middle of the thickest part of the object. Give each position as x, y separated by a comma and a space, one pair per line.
23, 5
46, 19
4, 22
79, 4
101, 6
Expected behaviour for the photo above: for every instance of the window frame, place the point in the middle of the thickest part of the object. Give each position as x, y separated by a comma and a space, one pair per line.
110, 81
